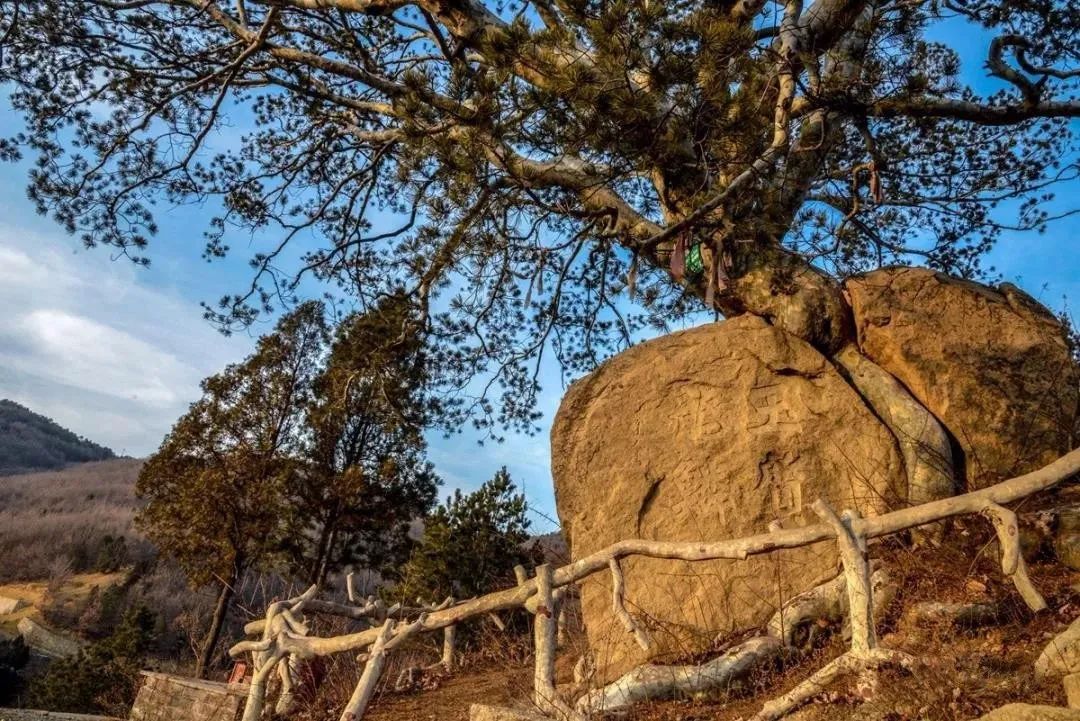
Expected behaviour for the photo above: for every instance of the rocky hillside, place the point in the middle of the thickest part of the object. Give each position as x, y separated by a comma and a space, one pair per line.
31, 442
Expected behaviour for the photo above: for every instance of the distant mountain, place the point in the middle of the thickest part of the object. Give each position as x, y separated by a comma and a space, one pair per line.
31, 442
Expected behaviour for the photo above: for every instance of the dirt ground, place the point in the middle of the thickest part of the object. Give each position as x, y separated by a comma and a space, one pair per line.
494, 685
77, 588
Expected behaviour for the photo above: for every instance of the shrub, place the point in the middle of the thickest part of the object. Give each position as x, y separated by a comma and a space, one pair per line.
470, 545
13, 656
14, 653
103, 611
103, 678
112, 554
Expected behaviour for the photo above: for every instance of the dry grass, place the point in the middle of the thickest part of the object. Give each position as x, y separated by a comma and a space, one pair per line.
57, 518
497, 669
76, 591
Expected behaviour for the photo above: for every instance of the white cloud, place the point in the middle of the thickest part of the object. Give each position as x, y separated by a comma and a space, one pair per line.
104, 348
84, 353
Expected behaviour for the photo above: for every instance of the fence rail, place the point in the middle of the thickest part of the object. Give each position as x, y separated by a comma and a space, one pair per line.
284, 640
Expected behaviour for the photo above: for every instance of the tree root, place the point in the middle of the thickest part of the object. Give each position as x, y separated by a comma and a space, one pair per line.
618, 604
1012, 560
964, 615
850, 662
797, 621
828, 601
865, 653
921, 438
651, 682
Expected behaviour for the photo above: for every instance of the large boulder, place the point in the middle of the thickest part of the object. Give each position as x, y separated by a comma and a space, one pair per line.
11, 605
708, 434
991, 364
46, 642
1029, 712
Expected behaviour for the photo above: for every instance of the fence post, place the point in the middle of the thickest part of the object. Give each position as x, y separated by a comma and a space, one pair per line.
544, 633
448, 641
365, 687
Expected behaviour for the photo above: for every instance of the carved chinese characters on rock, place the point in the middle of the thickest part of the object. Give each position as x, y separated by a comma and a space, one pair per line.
711, 433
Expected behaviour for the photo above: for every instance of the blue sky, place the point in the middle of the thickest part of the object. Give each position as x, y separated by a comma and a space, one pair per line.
115, 352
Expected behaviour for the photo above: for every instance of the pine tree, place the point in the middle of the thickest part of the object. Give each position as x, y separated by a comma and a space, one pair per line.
366, 478
470, 545
518, 170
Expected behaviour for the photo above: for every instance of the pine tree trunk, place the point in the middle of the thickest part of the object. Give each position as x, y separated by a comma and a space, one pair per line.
762, 278
320, 552
324, 549
206, 653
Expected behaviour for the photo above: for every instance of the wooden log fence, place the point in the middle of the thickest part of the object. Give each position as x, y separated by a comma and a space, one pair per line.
283, 634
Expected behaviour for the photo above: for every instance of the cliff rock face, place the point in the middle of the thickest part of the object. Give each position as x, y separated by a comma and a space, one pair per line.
991, 364
710, 433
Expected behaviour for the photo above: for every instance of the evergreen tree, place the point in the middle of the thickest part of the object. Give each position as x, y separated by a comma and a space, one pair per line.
366, 478
218, 489
470, 545
14, 654
103, 677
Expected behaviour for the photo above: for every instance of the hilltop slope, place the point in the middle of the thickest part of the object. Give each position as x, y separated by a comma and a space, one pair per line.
60, 518
31, 442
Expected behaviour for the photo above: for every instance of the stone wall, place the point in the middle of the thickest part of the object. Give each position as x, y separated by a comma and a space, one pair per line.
25, 714
172, 698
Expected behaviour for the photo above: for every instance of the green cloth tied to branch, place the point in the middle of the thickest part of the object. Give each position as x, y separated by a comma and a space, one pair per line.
695, 263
